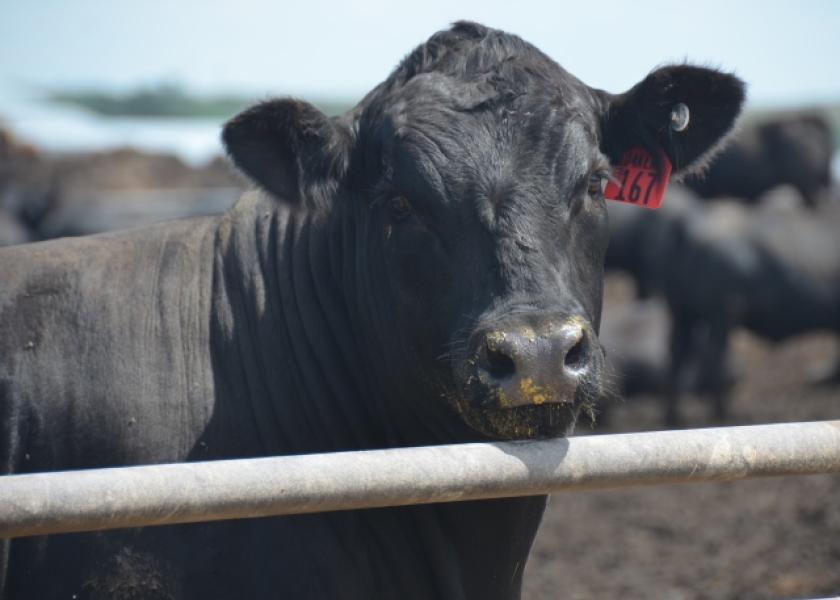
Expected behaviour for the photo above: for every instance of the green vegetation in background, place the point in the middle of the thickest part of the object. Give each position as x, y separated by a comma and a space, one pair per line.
169, 101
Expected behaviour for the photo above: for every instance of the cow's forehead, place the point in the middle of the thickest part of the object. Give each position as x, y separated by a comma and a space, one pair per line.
461, 133
555, 94
496, 102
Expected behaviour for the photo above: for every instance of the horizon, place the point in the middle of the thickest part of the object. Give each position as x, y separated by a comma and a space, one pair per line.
316, 49
325, 52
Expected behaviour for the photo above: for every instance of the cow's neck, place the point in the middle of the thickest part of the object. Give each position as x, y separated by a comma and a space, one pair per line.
487, 541
292, 374
286, 362
296, 337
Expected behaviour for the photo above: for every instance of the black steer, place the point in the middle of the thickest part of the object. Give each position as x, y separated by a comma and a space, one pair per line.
25, 190
426, 268
774, 272
635, 338
793, 150
639, 239
12, 231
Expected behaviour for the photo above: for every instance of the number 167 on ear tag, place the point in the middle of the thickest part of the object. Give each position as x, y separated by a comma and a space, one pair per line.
637, 180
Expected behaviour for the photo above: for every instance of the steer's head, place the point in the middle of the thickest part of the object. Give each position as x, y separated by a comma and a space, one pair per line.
469, 191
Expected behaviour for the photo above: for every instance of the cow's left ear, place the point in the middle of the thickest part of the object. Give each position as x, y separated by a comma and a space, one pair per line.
683, 110
288, 147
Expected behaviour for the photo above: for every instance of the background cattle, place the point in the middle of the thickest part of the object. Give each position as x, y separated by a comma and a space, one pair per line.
51, 196
639, 239
775, 272
634, 336
12, 231
405, 271
23, 191
794, 150
650, 246
124, 188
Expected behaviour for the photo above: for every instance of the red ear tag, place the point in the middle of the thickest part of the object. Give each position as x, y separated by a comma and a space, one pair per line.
637, 181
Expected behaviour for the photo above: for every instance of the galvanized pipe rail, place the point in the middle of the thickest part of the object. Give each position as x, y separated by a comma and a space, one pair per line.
43, 503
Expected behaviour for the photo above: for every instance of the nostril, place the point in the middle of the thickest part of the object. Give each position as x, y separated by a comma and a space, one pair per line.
575, 359
498, 364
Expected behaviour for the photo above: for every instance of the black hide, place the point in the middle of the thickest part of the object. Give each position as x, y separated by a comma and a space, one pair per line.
794, 150
775, 272
425, 269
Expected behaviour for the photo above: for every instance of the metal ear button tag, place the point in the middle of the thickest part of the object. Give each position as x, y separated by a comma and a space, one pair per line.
679, 117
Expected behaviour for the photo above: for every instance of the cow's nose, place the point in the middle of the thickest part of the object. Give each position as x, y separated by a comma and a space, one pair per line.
527, 366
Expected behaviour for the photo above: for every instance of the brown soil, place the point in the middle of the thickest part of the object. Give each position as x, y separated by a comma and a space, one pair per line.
773, 538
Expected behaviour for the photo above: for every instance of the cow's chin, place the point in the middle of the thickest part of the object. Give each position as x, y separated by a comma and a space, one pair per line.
522, 422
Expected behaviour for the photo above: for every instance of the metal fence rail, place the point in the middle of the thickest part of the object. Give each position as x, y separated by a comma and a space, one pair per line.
189, 492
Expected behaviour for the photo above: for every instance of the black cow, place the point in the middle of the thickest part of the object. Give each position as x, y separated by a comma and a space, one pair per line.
635, 338
426, 268
88, 212
106, 191
794, 150
20, 201
775, 272
639, 239
12, 231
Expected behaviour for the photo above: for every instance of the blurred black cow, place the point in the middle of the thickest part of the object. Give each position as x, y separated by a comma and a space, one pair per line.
635, 338
424, 269
775, 272
117, 189
45, 196
639, 238
12, 231
21, 199
795, 150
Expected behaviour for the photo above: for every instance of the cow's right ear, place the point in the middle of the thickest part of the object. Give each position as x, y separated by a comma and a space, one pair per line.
288, 147
682, 110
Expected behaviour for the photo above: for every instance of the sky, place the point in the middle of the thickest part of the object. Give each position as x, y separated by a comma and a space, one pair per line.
787, 51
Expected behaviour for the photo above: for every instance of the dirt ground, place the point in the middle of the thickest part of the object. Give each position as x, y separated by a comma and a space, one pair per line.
773, 538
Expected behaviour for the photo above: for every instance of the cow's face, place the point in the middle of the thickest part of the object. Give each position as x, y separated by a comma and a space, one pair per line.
473, 181
489, 214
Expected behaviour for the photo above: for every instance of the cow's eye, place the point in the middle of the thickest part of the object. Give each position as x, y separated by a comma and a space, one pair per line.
598, 184
400, 207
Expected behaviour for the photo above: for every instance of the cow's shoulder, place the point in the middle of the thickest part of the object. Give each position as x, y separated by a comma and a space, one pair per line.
113, 330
